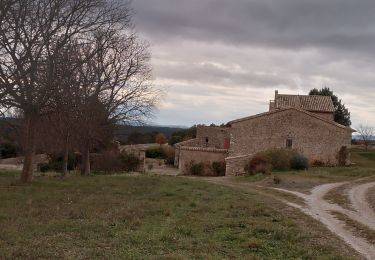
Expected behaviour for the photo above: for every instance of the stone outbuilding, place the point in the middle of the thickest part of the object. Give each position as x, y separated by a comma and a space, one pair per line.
303, 123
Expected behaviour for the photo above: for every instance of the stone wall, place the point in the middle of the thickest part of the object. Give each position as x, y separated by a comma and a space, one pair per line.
198, 155
236, 165
188, 143
327, 116
317, 139
212, 137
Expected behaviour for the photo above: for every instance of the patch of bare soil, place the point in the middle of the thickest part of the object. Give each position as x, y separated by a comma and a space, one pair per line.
303, 185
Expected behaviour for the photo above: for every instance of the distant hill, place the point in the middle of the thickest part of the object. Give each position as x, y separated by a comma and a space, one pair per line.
123, 132
141, 134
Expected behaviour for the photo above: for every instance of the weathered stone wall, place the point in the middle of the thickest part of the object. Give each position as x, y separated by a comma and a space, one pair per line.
318, 140
188, 143
212, 137
328, 116
236, 165
198, 155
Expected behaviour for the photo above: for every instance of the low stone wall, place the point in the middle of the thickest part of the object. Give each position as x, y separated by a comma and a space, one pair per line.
236, 165
187, 155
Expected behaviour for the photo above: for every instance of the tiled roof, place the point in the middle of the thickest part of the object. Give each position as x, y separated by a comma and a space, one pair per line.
292, 108
308, 103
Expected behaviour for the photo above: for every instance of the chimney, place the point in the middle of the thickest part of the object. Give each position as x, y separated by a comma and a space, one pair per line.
276, 103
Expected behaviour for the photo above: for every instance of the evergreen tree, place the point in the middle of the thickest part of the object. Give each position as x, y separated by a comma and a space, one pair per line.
342, 114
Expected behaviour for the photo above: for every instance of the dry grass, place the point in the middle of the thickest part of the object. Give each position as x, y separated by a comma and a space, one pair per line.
142, 217
340, 196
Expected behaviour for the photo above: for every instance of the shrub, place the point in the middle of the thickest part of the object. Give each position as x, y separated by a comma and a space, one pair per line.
276, 159
197, 168
166, 152
130, 162
106, 161
343, 156
109, 161
258, 164
279, 159
169, 154
299, 162
155, 153
55, 163
219, 168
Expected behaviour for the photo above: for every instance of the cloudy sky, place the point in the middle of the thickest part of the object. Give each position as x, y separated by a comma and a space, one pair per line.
219, 60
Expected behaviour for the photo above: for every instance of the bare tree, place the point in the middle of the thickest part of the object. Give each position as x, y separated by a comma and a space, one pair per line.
32, 33
114, 87
367, 134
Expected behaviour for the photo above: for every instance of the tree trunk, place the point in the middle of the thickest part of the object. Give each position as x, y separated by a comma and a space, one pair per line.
29, 150
86, 161
66, 157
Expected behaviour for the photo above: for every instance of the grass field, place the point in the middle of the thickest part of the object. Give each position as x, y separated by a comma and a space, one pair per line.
151, 217
156, 217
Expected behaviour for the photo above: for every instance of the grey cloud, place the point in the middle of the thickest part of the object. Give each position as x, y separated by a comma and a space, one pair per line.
281, 23
222, 59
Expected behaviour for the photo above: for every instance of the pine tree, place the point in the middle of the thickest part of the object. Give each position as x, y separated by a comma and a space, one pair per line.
342, 114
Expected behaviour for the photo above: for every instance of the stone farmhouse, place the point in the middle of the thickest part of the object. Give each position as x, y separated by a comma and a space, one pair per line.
300, 122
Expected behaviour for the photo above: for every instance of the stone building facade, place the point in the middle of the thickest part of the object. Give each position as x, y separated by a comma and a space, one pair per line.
210, 145
303, 123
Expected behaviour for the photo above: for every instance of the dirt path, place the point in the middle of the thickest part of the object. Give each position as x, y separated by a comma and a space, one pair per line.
358, 197
321, 210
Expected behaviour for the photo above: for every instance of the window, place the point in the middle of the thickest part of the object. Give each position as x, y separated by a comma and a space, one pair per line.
206, 140
289, 143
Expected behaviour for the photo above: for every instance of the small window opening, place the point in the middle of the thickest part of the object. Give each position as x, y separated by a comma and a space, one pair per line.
289, 143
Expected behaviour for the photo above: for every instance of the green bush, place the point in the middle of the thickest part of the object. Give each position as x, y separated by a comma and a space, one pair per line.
259, 163
299, 162
197, 169
155, 153
279, 159
276, 159
55, 163
165, 152
219, 168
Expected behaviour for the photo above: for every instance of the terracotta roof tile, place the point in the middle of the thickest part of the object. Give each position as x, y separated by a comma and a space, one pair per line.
308, 103
292, 108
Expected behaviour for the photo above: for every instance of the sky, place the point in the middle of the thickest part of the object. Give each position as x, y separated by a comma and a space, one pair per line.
219, 60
